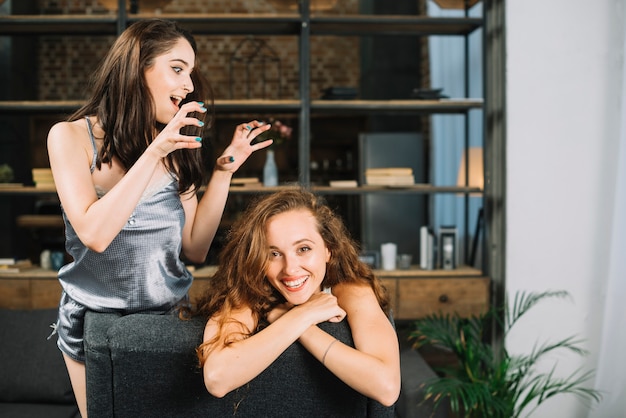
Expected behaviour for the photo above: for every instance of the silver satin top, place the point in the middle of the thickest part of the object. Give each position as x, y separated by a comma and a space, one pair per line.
141, 269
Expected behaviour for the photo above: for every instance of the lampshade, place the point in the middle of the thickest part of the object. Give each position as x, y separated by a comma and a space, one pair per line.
476, 174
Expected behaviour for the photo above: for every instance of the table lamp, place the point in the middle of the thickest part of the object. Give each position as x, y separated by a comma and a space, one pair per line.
476, 179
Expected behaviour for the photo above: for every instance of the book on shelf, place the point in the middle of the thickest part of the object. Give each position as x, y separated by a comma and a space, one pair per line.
9, 265
389, 176
343, 183
42, 177
389, 180
246, 182
389, 171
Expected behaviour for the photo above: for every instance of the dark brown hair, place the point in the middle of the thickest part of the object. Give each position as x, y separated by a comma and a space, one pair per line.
124, 107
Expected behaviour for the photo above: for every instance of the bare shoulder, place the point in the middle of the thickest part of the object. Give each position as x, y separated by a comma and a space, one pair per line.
68, 131
69, 140
238, 320
353, 288
354, 296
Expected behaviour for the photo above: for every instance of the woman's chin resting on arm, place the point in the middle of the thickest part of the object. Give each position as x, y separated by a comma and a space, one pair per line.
289, 265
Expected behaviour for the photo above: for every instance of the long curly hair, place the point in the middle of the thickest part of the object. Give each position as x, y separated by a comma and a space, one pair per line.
240, 280
121, 100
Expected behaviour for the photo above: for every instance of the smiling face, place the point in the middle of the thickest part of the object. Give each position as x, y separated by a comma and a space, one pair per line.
298, 255
169, 79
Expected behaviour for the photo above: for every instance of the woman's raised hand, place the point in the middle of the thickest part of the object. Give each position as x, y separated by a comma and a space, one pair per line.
170, 138
241, 146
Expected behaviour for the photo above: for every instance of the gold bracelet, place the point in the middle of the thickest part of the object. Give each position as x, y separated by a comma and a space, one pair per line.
327, 349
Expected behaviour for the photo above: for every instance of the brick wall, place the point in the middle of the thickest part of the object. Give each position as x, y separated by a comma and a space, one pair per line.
66, 62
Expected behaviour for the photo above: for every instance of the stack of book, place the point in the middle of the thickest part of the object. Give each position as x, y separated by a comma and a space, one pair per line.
343, 183
389, 176
11, 265
246, 182
42, 177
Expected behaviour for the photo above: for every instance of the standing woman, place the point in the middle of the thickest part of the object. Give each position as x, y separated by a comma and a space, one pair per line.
127, 168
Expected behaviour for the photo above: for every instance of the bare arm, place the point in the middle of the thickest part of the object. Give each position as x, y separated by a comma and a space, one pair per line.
203, 218
373, 366
229, 367
98, 221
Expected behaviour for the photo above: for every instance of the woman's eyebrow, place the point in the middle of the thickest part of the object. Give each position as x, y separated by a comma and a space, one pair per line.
297, 242
182, 61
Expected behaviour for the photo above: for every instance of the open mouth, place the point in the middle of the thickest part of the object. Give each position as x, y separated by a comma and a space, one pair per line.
176, 100
295, 284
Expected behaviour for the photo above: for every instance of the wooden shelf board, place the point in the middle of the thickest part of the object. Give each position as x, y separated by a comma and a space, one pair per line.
416, 272
246, 106
47, 106
40, 221
28, 190
394, 106
85, 24
243, 24
233, 23
207, 272
417, 188
273, 106
392, 25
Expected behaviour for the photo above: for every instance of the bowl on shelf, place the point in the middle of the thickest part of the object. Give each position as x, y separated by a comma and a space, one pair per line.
144, 6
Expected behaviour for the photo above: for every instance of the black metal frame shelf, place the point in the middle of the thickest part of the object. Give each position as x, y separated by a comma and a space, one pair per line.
243, 24
303, 25
251, 106
359, 25
19, 190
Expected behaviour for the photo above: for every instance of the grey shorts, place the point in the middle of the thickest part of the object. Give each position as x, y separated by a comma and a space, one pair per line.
70, 328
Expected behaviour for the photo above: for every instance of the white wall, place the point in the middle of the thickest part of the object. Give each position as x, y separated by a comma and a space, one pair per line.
564, 63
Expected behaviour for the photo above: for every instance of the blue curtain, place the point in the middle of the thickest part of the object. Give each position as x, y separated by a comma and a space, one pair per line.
447, 71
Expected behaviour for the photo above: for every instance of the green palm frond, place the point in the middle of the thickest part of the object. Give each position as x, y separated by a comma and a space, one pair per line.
465, 398
544, 386
523, 301
437, 330
484, 383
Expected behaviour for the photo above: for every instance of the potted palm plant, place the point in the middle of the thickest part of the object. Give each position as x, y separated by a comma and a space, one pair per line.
488, 381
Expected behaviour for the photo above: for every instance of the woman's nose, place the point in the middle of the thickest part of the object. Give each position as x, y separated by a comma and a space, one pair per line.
291, 264
188, 86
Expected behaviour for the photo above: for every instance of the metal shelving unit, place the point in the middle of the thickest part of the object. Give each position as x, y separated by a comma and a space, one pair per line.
304, 25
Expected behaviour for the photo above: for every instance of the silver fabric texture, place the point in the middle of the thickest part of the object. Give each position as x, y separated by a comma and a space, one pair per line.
140, 271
